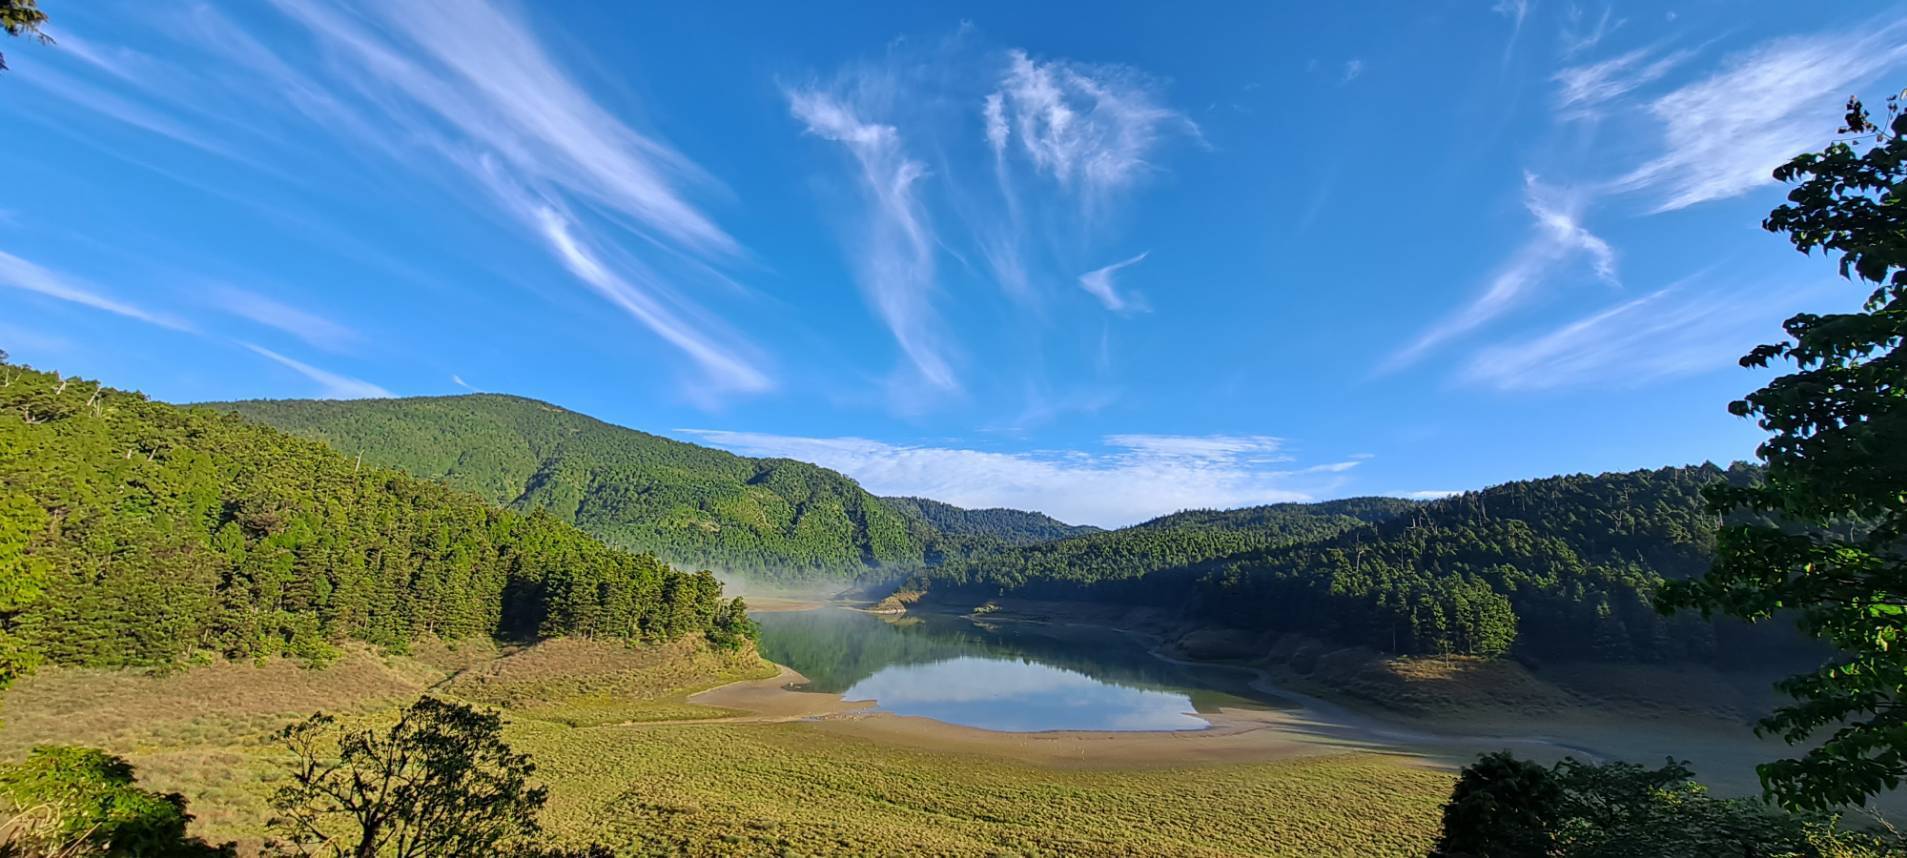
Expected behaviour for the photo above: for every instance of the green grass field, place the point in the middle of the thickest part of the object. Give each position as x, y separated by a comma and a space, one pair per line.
797, 789
603, 724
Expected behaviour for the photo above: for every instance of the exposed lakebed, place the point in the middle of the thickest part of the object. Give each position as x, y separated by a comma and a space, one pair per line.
1006, 676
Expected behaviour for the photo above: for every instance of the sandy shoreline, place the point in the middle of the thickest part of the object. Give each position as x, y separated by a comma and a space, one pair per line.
1310, 725
1236, 735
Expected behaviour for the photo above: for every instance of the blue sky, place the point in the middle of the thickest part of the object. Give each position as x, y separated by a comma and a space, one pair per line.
1104, 265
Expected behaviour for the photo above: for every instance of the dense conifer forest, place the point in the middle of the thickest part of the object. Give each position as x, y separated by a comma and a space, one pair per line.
133, 532
1564, 567
770, 518
1009, 526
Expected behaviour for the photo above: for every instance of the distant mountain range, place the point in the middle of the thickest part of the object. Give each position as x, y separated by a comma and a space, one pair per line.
1561, 567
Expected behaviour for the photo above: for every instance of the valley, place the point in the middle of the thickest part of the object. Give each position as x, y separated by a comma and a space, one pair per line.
685, 749
1297, 677
491, 429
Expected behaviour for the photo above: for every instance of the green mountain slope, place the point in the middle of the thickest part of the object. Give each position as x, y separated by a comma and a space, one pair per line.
136, 532
1563, 567
1176, 541
1007, 526
774, 518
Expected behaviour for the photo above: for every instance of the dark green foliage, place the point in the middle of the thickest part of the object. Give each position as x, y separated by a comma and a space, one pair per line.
1563, 568
1559, 568
1103, 562
1005, 526
1836, 475
770, 518
1503, 807
83, 802
21, 18
22, 576
732, 628
441, 782
135, 532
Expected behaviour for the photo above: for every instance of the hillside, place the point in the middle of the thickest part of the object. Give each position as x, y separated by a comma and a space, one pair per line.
133, 532
1169, 542
773, 518
1008, 526
1562, 568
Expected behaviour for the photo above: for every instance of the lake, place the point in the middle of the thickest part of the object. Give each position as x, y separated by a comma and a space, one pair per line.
1006, 676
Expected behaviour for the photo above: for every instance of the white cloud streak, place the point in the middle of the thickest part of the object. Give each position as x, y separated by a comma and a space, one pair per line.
1582, 89
894, 258
1722, 135
1558, 237
21, 274
722, 367
1099, 282
1668, 333
496, 85
1092, 128
1135, 478
468, 85
1577, 38
310, 327
330, 384
1516, 11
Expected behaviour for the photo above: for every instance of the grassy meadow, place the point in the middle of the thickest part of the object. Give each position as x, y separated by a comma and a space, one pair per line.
631, 763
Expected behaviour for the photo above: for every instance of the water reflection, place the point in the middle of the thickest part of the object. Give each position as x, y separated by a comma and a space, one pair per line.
1008, 676
1021, 696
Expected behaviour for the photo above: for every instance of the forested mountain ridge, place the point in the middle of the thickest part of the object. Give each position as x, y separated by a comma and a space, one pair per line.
1562, 567
775, 518
1173, 541
1009, 526
137, 532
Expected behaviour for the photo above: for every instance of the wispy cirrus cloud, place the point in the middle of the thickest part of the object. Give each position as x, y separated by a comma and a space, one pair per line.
330, 384
21, 274
1064, 142
314, 329
1580, 35
1516, 11
1674, 331
1099, 283
894, 255
1132, 478
450, 92
1092, 128
1724, 134
1558, 236
494, 84
1582, 90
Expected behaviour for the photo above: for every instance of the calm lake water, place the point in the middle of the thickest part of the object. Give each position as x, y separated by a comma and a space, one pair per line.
1008, 676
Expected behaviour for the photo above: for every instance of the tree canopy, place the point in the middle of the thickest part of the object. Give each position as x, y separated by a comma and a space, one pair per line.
1831, 541
439, 782
1504, 807
21, 18
774, 519
1558, 568
134, 532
